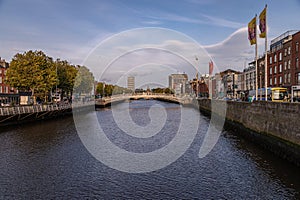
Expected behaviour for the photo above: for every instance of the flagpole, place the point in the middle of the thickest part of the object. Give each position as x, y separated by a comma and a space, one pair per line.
256, 74
266, 60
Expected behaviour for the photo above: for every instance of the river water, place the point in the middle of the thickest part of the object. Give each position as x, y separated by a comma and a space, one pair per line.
48, 160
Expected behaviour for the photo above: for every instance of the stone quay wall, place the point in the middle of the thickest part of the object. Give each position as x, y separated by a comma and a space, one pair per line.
274, 125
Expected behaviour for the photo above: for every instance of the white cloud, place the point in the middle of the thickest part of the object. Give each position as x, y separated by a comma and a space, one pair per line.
234, 51
222, 22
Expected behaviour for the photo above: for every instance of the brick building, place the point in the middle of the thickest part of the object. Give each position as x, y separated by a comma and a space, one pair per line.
283, 60
7, 93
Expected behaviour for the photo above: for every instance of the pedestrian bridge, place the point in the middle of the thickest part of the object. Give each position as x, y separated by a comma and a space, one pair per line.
107, 101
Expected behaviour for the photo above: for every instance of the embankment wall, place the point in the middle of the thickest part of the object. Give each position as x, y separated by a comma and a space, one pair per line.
274, 125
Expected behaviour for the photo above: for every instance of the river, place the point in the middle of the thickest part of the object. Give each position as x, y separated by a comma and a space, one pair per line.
48, 160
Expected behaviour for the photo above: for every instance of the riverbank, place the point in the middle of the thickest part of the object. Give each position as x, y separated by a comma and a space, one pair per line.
275, 126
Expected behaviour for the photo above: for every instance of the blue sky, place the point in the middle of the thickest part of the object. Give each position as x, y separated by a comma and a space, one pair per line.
72, 29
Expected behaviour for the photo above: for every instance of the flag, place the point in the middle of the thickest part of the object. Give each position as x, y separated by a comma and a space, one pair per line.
262, 23
252, 31
211, 67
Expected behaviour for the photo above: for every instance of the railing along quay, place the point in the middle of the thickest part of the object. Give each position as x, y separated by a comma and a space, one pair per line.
17, 110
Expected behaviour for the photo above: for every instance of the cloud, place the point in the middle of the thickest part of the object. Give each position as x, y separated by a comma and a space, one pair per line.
222, 22
152, 22
234, 51
201, 19
149, 53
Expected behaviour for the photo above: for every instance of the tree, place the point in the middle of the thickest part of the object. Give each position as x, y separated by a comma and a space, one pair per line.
84, 81
100, 88
66, 76
32, 71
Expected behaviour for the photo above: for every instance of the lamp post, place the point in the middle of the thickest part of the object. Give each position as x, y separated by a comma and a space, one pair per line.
197, 89
103, 90
233, 86
56, 82
260, 85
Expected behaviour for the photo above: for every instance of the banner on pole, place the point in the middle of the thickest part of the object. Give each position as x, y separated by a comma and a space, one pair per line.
262, 23
252, 31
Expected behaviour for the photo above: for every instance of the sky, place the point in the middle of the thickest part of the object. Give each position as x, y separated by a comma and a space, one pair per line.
148, 39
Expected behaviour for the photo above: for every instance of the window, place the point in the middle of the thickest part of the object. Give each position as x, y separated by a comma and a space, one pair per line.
0, 89
275, 69
270, 59
289, 78
285, 65
285, 52
6, 89
297, 63
275, 81
275, 58
289, 64
270, 70
289, 51
280, 79
270, 81
280, 56
285, 78
299, 78
280, 68
0, 79
297, 47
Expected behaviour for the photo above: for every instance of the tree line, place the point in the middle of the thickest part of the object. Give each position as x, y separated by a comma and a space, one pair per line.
103, 89
35, 72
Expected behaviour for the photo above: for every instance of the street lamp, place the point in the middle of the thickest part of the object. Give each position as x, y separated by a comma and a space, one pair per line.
56, 83
233, 86
103, 90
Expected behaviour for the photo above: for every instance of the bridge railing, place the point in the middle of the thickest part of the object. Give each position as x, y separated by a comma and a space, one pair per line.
171, 97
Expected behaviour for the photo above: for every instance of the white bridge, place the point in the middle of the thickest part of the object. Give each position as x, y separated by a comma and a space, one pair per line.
184, 100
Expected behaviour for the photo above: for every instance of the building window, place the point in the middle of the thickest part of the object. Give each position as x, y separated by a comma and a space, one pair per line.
285, 78
270, 81
0, 79
299, 78
285, 51
275, 81
289, 78
289, 51
285, 65
270, 59
270, 70
297, 47
297, 63
275, 58
1, 89
280, 79
289, 64
280, 68
280, 56
275, 69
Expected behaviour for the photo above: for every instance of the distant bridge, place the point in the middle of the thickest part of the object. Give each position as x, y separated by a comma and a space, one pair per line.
107, 101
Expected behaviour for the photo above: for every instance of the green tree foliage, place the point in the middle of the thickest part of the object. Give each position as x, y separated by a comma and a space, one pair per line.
84, 81
66, 76
32, 71
100, 88
162, 90
109, 90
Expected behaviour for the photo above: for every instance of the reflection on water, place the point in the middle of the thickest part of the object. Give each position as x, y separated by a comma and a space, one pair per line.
47, 160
